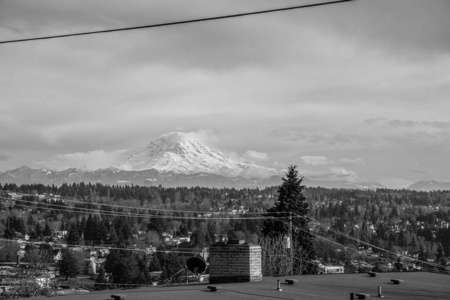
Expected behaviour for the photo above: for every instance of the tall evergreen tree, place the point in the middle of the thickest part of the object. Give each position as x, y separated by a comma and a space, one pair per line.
126, 267
291, 205
82, 226
73, 238
30, 220
37, 233
89, 229
440, 253
102, 232
71, 263
9, 233
47, 230
112, 236
199, 238
123, 228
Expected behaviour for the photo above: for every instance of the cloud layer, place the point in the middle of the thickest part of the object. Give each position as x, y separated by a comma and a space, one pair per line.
356, 90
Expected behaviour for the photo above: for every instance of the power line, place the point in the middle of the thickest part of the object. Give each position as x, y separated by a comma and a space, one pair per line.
325, 226
206, 215
137, 207
103, 247
357, 240
125, 214
424, 263
346, 235
173, 23
113, 206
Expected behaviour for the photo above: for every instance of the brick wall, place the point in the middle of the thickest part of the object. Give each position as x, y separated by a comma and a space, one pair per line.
234, 263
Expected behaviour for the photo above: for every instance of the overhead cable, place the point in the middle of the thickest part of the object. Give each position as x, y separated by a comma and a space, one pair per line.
203, 215
172, 23
361, 242
133, 207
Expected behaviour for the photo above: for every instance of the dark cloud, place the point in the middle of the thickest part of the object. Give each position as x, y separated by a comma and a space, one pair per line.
436, 124
249, 41
215, 45
408, 28
324, 139
391, 122
407, 123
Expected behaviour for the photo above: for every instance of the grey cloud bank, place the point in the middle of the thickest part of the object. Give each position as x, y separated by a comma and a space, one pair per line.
360, 89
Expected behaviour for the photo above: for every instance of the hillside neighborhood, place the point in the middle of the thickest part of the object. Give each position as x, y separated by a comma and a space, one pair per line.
407, 238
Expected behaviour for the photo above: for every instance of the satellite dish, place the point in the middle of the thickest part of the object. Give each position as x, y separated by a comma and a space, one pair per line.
196, 265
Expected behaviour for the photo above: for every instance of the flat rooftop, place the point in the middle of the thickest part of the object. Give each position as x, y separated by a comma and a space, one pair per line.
416, 285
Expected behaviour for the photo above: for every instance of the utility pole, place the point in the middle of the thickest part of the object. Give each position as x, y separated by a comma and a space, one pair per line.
291, 244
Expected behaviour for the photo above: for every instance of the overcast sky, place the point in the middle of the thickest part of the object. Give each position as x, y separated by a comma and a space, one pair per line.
354, 91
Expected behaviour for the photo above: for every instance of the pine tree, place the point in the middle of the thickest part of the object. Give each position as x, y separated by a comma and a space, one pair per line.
125, 267
291, 205
71, 263
89, 229
101, 282
154, 264
81, 226
9, 233
422, 255
47, 230
102, 232
440, 253
30, 220
123, 228
37, 233
112, 236
73, 238
199, 238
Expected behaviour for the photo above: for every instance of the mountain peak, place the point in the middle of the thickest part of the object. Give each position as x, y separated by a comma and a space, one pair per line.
178, 142
176, 136
181, 153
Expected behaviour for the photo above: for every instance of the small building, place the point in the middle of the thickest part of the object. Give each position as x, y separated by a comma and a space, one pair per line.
92, 268
322, 269
57, 255
44, 280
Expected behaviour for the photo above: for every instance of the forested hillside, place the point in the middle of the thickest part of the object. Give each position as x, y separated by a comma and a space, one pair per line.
399, 220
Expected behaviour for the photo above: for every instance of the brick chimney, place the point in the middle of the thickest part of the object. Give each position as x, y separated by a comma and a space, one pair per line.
234, 263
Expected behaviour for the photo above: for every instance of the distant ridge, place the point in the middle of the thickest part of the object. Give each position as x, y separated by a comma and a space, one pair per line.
343, 184
152, 177
113, 176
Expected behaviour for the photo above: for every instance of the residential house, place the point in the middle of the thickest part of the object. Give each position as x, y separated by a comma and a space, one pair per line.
57, 255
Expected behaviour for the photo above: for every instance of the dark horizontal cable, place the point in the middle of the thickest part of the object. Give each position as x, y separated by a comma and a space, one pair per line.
172, 23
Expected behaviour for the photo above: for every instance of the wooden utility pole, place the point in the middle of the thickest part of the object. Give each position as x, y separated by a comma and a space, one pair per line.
291, 252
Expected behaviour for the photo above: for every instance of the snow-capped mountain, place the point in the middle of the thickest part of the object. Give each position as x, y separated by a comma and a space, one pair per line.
175, 159
181, 153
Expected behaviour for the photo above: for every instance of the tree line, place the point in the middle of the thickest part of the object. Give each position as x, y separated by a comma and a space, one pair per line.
131, 216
